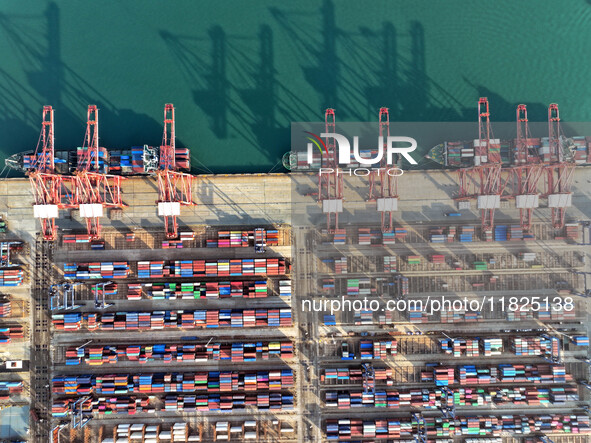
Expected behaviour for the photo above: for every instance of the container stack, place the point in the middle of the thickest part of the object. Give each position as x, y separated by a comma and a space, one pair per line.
436, 235
437, 259
340, 237
97, 270
340, 265
181, 319
501, 233
210, 382
67, 322
527, 256
456, 152
487, 235
403, 287
75, 238
232, 239
390, 263
516, 233
443, 376
285, 288
480, 265
364, 236
206, 290
580, 340
400, 234
413, 259
5, 308
11, 333
531, 346
362, 318
134, 291
491, 346
451, 234
466, 233
388, 238
572, 231
11, 277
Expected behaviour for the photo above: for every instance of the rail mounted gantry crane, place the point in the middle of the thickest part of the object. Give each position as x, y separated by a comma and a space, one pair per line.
559, 169
46, 184
330, 184
95, 190
527, 173
175, 187
385, 190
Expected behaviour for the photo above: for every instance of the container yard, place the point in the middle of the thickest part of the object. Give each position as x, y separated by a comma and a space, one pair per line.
255, 314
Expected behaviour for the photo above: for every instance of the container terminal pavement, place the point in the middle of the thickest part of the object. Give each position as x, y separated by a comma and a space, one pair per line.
246, 199
351, 377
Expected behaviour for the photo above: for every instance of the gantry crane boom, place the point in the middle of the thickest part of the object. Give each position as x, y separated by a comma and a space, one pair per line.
386, 195
484, 179
330, 184
526, 174
175, 187
45, 183
559, 168
95, 190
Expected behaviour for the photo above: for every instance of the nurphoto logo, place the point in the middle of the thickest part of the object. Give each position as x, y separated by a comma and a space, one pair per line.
387, 149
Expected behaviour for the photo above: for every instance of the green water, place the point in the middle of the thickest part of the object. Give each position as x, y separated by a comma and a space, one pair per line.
240, 72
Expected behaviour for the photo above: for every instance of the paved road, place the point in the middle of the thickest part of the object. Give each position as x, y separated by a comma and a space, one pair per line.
40, 363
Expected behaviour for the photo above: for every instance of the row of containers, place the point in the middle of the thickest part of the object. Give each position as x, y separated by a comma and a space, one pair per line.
415, 314
5, 308
459, 263
398, 284
7, 334
464, 426
168, 353
467, 234
340, 265
11, 277
445, 375
474, 347
8, 388
121, 162
130, 405
244, 239
213, 381
203, 318
248, 430
365, 237
447, 234
214, 290
141, 432
435, 398
177, 268
193, 290
465, 347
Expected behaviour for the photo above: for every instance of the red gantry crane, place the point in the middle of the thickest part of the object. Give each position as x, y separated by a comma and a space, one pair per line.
330, 184
386, 194
95, 190
46, 184
174, 186
559, 168
483, 181
526, 173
